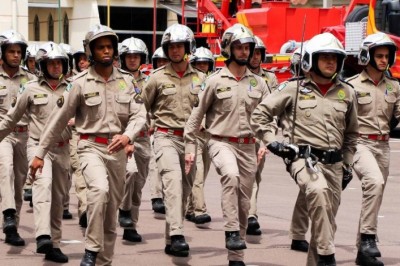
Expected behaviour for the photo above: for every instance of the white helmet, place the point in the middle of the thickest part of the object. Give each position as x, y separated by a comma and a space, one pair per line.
9, 37
158, 53
31, 51
51, 50
295, 60
69, 51
236, 33
203, 54
178, 33
372, 41
322, 43
134, 46
96, 32
261, 46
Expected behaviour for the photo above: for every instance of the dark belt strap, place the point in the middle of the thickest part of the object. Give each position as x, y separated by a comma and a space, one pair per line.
324, 156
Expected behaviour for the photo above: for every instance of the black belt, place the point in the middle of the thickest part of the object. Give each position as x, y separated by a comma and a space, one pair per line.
324, 156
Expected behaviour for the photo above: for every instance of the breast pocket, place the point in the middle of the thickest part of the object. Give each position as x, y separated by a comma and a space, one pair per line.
225, 101
95, 110
253, 99
390, 100
340, 114
40, 107
306, 111
194, 96
4, 99
169, 98
122, 107
364, 106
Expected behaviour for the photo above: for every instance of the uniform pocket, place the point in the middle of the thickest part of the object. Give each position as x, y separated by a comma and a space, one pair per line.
253, 99
94, 107
340, 114
3, 98
364, 105
225, 102
39, 107
307, 111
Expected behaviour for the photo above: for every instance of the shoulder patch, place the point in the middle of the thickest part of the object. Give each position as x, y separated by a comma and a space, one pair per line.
60, 101
203, 86
282, 86
69, 87
351, 78
21, 89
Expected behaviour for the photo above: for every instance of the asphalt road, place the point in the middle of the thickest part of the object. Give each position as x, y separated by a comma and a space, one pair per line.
276, 199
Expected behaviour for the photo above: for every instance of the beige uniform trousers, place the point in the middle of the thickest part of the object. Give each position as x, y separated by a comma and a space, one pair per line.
49, 189
170, 158
322, 193
154, 176
105, 176
196, 201
300, 220
256, 186
237, 165
13, 171
66, 199
371, 163
137, 170
80, 184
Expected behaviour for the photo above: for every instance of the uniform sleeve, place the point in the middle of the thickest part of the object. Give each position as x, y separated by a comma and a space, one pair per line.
351, 131
137, 118
192, 126
10, 120
59, 118
149, 92
396, 110
274, 82
263, 120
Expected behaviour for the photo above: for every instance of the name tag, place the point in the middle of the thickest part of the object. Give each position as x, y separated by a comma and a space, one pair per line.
362, 94
91, 94
39, 96
307, 97
219, 90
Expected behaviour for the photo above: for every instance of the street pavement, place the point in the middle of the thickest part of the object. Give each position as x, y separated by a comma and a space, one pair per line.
207, 247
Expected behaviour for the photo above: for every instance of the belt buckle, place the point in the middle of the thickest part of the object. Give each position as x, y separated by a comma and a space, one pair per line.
380, 137
241, 140
170, 131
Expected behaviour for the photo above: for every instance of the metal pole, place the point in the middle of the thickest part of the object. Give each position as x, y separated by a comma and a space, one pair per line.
108, 13
59, 21
154, 25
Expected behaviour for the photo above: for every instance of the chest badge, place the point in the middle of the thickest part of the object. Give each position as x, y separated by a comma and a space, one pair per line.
253, 82
341, 95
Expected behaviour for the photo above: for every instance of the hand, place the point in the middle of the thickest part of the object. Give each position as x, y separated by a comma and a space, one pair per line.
36, 164
118, 143
71, 122
261, 154
347, 176
129, 149
189, 159
289, 152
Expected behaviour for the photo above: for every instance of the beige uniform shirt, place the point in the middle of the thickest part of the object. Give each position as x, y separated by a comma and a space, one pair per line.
270, 78
376, 103
9, 88
227, 105
324, 122
37, 99
169, 98
102, 108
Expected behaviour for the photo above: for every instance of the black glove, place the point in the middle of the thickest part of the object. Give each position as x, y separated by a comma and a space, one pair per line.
285, 151
347, 176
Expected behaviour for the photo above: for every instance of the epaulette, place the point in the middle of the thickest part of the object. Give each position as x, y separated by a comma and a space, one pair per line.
81, 74
296, 78
266, 70
124, 71
351, 78
214, 73
158, 69
27, 70
387, 74
347, 82
70, 79
30, 81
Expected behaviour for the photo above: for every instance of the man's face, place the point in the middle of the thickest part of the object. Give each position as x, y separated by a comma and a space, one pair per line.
255, 60
132, 62
381, 57
161, 62
54, 68
13, 55
176, 52
241, 51
83, 62
327, 64
31, 64
202, 66
103, 50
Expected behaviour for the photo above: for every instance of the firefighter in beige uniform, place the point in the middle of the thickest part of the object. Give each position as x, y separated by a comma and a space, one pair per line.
378, 98
253, 227
108, 115
37, 99
170, 94
133, 54
13, 147
322, 137
228, 98
196, 212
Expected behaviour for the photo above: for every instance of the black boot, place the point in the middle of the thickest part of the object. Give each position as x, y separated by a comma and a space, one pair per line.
43, 244
28, 195
158, 205
89, 259
67, 215
366, 260
83, 220
169, 251
56, 255
326, 260
10, 223
299, 245
14, 239
253, 227
124, 218
190, 217
202, 219
236, 263
368, 246
131, 235
178, 243
233, 241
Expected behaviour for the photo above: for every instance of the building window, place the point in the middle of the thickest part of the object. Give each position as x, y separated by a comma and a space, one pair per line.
66, 29
51, 28
36, 28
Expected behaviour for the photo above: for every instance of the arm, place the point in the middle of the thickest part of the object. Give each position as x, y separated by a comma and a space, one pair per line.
351, 131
